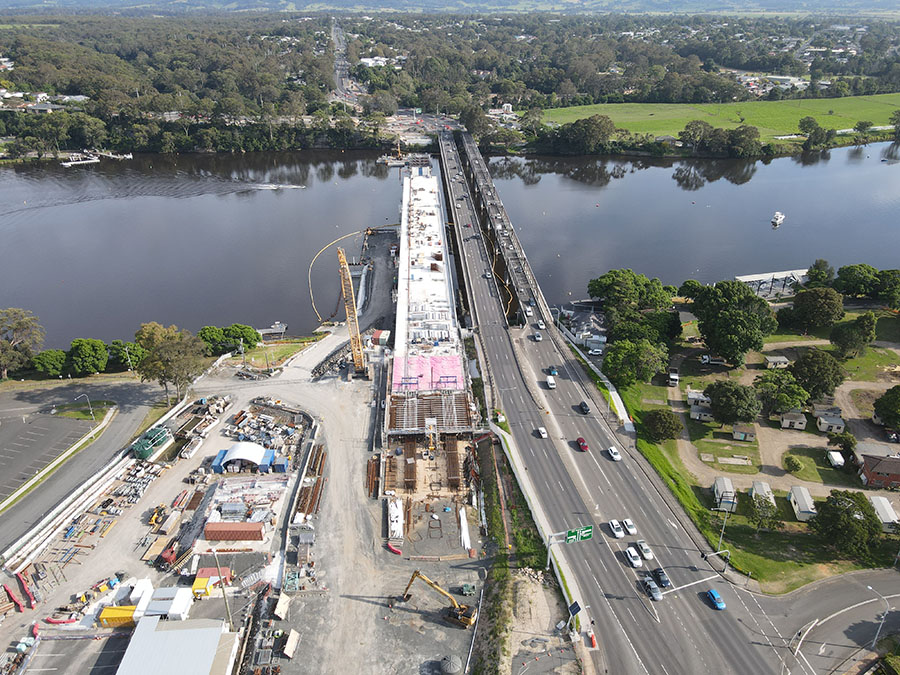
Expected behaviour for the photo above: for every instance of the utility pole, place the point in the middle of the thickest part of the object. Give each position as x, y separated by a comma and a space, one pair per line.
722, 533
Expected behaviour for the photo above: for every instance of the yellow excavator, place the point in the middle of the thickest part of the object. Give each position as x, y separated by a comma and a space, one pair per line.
462, 615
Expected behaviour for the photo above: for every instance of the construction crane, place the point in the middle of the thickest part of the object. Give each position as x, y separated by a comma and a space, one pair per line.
350, 307
462, 615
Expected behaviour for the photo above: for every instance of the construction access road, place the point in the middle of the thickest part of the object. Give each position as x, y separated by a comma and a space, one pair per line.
683, 633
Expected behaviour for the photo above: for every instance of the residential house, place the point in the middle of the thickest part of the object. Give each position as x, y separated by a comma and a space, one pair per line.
44, 108
726, 497
762, 489
701, 413
820, 409
880, 472
793, 419
802, 503
777, 362
885, 512
830, 424
743, 432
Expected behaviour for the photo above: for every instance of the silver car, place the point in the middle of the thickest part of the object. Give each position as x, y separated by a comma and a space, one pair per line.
645, 550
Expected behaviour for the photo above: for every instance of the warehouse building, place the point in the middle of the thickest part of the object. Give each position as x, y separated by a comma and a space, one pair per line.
196, 646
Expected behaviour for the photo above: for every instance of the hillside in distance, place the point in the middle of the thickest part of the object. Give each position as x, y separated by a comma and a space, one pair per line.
845, 7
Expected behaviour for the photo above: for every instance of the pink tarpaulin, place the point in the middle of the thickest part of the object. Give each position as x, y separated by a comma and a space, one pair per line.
426, 373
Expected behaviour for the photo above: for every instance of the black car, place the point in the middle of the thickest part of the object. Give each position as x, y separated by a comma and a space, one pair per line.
585, 408
661, 577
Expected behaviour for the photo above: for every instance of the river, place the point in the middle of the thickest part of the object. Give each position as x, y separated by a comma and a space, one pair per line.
201, 239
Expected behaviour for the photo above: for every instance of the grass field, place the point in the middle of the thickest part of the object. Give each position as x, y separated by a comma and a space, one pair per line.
82, 411
772, 118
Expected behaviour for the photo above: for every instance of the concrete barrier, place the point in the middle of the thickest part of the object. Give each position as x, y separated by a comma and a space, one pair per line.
561, 568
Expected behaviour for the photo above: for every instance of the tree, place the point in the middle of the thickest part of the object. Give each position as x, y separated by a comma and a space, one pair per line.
214, 337
475, 121
792, 464
124, 355
690, 289
844, 440
732, 319
627, 362
779, 392
895, 120
817, 308
852, 338
820, 273
858, 280
238, 332
807, 125
818, 372
50, 362
847, 522
173, 357
662, 424
624, 289
87, 356
862, 127
764, 514
888, 290
532, 120
887, 407
20, 336
731, 402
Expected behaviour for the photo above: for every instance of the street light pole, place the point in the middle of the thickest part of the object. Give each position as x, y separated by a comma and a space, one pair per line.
887, 608
722, 533
87, 398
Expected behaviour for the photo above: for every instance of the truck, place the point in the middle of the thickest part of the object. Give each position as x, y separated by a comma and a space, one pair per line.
673, 376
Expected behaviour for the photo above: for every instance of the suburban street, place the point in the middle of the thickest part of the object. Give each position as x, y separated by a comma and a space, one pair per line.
683, 633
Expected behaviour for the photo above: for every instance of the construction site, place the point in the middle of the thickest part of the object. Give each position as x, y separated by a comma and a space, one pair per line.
224, 537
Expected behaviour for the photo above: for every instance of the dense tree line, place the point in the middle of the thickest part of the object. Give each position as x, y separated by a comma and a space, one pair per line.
448, 62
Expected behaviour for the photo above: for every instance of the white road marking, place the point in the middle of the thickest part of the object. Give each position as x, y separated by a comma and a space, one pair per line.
766, 635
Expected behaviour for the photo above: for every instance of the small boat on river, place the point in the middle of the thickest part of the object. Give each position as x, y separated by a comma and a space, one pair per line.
777, 219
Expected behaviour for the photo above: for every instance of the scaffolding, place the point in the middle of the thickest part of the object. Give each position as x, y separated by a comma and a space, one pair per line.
350, 308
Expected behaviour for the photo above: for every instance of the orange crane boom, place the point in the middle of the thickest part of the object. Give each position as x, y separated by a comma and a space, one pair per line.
350, 307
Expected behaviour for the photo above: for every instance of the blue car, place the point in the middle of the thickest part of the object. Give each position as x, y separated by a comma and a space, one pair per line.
715, 598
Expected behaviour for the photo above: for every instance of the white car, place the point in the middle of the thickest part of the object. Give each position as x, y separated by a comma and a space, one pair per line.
538, 337
629, 526
633, 558
542, 432
614, 454
646, 553
595, 352
541, 324
616, 529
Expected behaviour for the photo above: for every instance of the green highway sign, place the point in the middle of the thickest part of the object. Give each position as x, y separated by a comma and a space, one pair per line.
581, 534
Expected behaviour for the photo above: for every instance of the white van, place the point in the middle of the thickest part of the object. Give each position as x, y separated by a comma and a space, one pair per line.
551, 382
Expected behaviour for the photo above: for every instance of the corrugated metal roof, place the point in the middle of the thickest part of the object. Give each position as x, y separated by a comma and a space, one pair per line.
193, 646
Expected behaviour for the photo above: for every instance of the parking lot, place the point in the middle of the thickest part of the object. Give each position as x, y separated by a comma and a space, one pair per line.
84, 654
28, 446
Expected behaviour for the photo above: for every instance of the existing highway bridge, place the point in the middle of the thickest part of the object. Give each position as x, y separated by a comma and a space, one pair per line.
683, 633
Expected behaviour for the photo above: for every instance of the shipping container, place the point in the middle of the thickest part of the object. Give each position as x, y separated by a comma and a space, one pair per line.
233, 531
117, 617
217, 462
266, 464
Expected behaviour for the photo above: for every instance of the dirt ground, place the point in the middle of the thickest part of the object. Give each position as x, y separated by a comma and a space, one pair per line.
534, 640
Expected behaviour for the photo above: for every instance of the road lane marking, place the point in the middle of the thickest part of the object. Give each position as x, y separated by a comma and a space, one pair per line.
628, 609
761, 631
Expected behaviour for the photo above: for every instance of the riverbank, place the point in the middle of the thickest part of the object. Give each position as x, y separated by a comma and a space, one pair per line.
772, 118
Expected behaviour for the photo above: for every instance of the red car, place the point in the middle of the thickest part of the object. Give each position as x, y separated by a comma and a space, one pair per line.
582, 444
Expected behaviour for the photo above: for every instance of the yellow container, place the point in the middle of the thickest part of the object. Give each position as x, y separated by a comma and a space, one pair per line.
117, 617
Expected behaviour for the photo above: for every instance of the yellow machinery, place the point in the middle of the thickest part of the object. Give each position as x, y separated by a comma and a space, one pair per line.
157, 516
462, 615
350, 307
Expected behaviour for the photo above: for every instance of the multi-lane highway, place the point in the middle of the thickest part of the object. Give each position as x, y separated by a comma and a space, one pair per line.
683, 633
